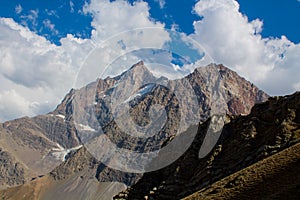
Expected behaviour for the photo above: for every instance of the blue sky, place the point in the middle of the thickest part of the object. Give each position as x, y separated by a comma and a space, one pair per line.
40, 15
45, 44
279, 17
54, 19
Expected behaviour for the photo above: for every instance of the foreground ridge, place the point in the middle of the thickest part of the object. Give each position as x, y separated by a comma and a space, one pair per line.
275, 177
246, 142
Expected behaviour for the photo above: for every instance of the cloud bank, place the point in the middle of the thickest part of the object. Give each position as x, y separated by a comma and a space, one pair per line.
35, 74
231, 39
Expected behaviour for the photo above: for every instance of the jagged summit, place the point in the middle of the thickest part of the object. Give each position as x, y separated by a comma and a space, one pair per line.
139, 67
138, 64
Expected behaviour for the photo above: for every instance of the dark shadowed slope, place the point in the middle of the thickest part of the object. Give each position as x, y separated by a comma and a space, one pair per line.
271, 127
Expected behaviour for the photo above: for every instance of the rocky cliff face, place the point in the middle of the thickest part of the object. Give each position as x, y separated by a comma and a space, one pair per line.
271, 127
37, 145
33, 145
12, 172
217, 90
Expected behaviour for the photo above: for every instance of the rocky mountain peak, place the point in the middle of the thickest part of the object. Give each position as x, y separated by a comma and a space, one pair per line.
139, 64
86, 110
137, 74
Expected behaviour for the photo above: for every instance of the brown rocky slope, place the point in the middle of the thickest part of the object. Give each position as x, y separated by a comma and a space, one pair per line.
271, 127
276, 177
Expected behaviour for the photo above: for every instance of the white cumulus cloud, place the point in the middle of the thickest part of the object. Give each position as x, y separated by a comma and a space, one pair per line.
30, 18
32, 68
231, 39
71, 6
49, 25
36, 74
161, 3
111, 18
18, 9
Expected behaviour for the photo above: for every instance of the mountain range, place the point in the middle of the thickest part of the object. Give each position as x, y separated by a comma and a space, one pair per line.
50, 156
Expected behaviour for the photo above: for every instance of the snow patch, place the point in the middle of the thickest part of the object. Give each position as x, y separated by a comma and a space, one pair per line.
59, 148
61, 116
60, 153
148, 88
86, 128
